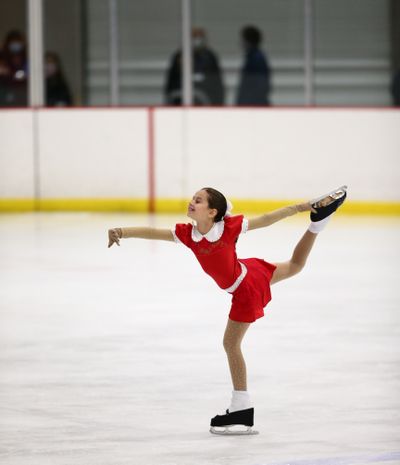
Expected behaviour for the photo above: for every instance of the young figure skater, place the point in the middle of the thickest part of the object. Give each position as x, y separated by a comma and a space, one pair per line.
212, 238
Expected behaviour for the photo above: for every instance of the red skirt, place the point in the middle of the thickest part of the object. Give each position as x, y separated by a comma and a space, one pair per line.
253, 294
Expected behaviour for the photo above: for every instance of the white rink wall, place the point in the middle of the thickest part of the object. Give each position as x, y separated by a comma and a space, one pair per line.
269, 154
279, 153
78, 153
93, 153
16, 154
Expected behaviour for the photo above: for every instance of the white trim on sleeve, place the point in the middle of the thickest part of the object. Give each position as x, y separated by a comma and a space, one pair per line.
176, 238
245, 226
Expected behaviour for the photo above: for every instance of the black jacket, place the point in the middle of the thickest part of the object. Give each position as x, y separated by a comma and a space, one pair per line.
255, 79
207, 79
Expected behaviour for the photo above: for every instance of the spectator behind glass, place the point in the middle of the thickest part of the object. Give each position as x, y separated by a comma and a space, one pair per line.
255, 79
207, 80
395, 88
5, 80
57, 91
14, 54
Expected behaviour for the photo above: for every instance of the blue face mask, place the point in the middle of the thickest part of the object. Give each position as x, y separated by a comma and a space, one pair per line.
16, 46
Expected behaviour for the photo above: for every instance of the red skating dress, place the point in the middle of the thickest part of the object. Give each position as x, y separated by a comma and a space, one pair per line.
247, 279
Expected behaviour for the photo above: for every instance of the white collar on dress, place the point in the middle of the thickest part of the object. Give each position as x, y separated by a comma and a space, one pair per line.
213, 235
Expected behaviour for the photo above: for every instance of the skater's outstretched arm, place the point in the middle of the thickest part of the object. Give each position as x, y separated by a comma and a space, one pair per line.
272, 217
141, 232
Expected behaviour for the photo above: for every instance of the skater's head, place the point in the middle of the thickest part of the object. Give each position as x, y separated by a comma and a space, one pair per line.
208, 203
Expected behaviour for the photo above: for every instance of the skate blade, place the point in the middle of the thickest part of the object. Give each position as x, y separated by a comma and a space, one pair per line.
335, 194
233, 430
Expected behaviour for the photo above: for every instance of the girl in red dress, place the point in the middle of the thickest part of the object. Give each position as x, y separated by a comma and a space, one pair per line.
212, 238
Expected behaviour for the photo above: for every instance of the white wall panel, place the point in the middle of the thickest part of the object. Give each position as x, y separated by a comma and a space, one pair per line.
253, 154
171, 152
282, 154
94, 153
16, 154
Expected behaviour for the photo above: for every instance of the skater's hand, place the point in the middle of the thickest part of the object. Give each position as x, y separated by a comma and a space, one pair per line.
305, 207
114, 235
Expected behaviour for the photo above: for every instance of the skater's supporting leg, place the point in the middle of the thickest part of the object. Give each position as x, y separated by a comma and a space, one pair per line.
233, 336
296, 263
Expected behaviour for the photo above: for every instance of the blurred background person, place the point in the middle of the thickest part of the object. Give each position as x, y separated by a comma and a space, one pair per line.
395, 88
15, 58
57, 90
208, 87
255, 79
5, 81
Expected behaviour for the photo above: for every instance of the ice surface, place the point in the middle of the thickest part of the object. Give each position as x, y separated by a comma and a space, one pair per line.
114, 356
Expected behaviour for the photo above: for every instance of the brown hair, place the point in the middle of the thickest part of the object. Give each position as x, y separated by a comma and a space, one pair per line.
218, 201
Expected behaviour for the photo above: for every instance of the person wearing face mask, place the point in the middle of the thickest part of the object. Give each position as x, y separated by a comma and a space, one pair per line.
208, 87
15, 58
255, 79
57, 90
5, 80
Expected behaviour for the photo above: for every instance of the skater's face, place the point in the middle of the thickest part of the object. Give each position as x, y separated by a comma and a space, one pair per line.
198, 208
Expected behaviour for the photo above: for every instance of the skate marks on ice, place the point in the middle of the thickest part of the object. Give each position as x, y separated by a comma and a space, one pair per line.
384, 457
100, 367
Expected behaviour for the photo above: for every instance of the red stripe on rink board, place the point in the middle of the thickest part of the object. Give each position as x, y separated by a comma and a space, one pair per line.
151, 165
214, 107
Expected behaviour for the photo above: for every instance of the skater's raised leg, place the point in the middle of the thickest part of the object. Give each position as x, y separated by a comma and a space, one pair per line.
293, 266
323, 208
